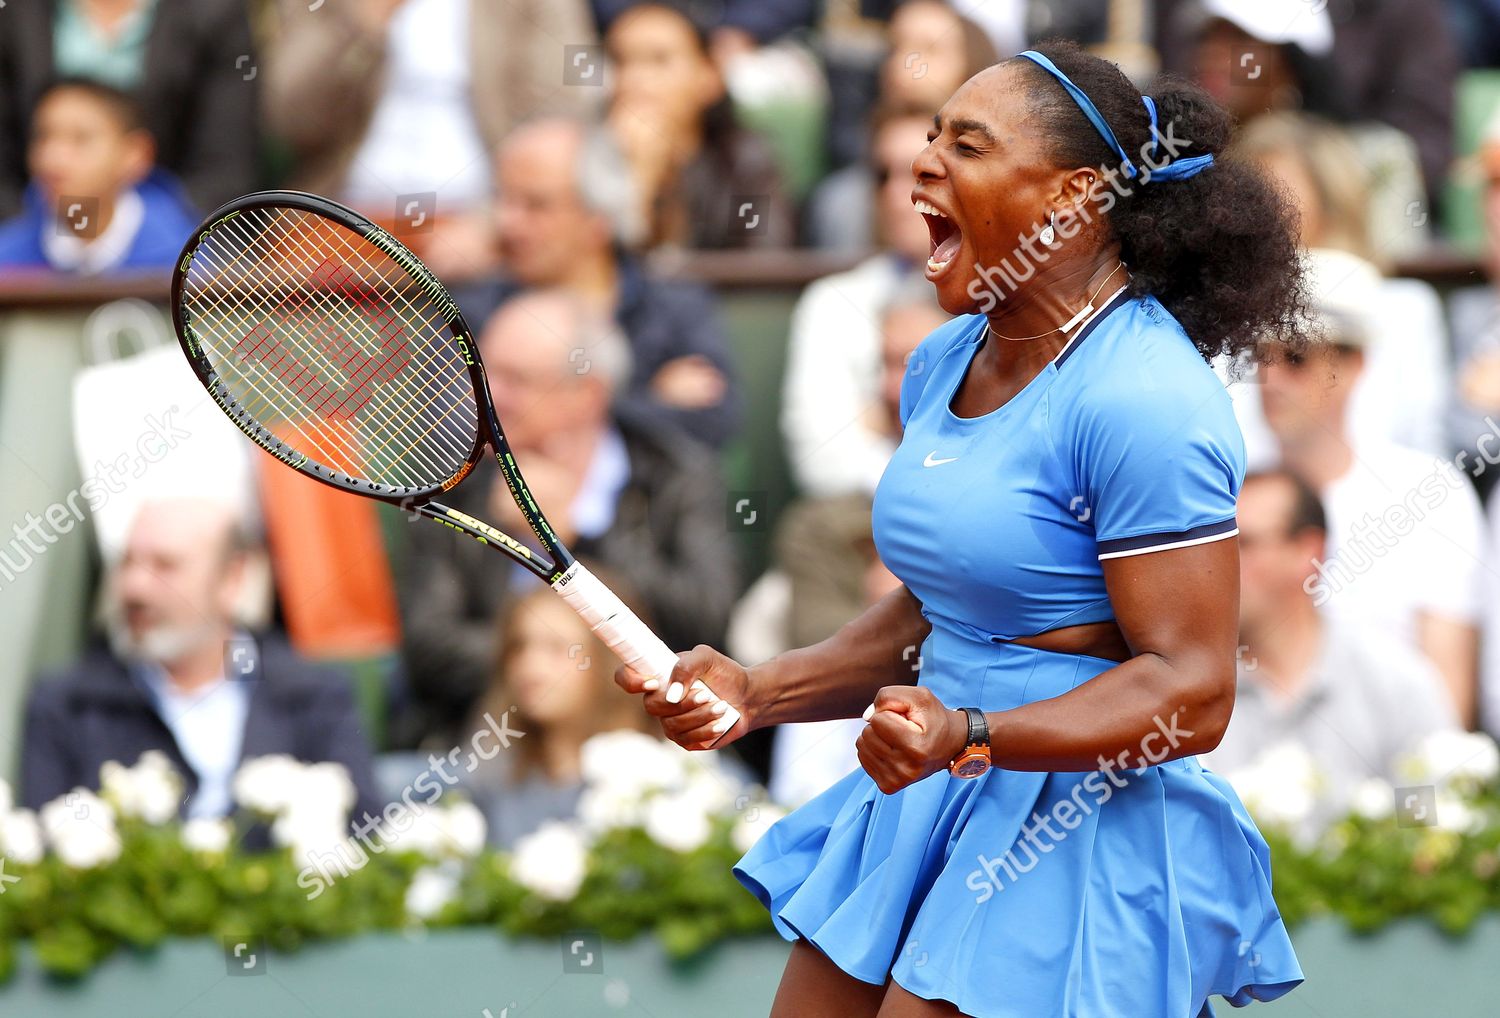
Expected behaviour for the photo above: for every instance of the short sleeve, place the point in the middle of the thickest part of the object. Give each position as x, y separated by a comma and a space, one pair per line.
924, 359
1161, 470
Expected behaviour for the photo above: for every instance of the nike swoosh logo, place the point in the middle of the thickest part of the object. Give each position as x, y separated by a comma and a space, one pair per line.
930, 462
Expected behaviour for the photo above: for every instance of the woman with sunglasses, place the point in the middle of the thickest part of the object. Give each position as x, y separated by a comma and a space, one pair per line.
1031, 834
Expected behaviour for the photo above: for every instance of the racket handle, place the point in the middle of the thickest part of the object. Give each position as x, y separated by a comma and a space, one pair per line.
625, 634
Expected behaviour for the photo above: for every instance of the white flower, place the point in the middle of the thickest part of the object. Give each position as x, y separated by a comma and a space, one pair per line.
1373, 799
313, 835
1468, 759
1280, 787
466, 828
631, 762
431, 888
755, 823
150, 791
677, 821
81, 828
268, 784
323, 789
208, 836
605, 807
1451, 813
21, 837
439, 832
551, 861
711, 786
6, 800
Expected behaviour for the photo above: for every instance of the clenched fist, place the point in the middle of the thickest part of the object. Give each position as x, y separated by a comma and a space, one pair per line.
910, 735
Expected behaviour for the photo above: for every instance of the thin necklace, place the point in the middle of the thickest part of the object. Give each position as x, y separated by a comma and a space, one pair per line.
1088, 310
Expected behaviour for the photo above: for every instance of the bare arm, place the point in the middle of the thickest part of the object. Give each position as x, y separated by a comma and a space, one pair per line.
839, 677
834, 679
1179, 613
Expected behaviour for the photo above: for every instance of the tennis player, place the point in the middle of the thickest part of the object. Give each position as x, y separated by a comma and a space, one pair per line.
1031, 835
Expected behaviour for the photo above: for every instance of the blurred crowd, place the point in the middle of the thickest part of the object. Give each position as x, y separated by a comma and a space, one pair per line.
543, 156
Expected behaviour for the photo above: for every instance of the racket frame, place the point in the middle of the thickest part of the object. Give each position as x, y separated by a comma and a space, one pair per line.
600, 608
489, 436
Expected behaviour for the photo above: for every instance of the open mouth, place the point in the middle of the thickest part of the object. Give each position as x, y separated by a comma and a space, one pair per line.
944, 233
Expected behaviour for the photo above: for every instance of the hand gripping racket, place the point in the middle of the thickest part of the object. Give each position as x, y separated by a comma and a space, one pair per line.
336, 350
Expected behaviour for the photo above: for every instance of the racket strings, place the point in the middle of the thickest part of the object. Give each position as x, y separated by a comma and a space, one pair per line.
305, 321
330, 441
455, 379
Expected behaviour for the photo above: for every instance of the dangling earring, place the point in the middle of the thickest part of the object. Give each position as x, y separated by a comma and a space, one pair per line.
1049, 232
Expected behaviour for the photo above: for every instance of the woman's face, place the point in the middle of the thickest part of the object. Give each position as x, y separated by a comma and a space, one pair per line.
891, 152
549, 664
927, 59
661, 73
986, 173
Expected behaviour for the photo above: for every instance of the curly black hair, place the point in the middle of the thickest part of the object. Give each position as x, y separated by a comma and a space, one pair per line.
1218, 249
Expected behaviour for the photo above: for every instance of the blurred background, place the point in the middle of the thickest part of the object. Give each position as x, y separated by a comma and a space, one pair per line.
683, 234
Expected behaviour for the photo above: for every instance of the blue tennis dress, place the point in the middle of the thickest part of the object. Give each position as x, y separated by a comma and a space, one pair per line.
1133, 891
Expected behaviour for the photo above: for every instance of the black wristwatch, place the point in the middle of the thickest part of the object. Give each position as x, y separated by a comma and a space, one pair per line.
974, 759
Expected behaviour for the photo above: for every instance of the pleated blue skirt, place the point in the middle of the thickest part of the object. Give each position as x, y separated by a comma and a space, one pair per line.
1133, 892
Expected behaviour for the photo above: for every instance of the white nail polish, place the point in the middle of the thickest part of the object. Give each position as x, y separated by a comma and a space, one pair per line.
703, 696
674, 693
720, 707
869, 712
723, 724
651, 685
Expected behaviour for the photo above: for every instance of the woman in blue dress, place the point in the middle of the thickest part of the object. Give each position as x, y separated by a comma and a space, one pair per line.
1031, 835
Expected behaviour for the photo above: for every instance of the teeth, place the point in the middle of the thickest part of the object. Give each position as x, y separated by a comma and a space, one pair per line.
927, 209
937, 266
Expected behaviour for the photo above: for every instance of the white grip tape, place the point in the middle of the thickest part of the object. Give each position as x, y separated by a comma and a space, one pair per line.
620, 629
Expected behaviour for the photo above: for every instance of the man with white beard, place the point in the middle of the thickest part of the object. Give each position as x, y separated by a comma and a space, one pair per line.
180, 676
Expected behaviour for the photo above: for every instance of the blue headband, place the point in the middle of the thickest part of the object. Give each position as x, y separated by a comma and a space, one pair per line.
1178, 169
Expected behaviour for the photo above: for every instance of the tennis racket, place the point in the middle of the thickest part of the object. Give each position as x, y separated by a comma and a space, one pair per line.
338, 352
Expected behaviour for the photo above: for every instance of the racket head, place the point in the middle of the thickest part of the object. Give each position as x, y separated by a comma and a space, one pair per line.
329, 344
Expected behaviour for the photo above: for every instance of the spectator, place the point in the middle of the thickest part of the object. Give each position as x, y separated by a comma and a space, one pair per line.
566, 217
703, 182
930, 49
1404, 390
558, 679
1397, 60
837, 439
190, 64
96, 203
640, 498
1283, 56
1398, 63
1354, 698
740, 27
933, 50
395, 105
1474, 322
1405, 535
826, 572
181, 677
